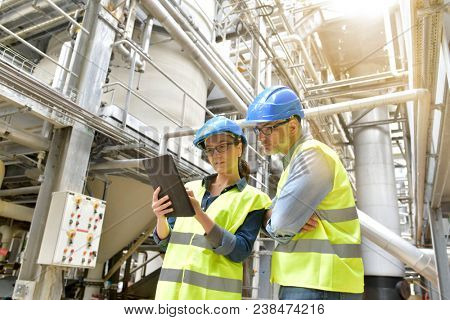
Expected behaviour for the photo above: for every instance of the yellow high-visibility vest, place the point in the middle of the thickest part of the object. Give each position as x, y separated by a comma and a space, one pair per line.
191, 269
329, 257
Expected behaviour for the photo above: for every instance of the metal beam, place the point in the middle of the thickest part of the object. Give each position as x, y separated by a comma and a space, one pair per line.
443, 161
440, 252
71, 148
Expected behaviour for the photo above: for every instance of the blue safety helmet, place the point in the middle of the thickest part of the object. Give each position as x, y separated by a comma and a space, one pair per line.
216, 125
274, 103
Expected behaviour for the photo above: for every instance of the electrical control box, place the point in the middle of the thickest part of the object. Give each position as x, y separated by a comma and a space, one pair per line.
73, 230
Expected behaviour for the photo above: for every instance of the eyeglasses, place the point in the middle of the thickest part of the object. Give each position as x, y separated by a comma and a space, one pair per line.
267, 131
221, 148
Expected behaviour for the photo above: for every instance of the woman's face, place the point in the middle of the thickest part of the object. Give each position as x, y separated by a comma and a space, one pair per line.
223, 152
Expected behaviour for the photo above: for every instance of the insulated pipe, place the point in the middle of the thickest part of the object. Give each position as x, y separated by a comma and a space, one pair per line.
238, 82
16, 212
376, 188
127, 54
23, 138
431, 253
398, 247
161, 14
19, 191
145, 43
371, 102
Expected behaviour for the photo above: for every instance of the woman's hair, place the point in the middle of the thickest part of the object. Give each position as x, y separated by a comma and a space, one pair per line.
244, 168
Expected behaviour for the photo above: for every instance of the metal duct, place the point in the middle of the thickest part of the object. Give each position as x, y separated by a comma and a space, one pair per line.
398, 247
376, 189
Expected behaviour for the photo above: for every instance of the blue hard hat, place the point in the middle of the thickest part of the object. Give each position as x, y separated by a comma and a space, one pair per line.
216, 125
274, 103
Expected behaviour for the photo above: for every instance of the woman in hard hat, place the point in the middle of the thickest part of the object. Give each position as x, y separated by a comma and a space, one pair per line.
205, 253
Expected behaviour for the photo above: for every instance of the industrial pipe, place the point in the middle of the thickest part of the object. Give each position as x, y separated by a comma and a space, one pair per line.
145, 43
236, 80
398, 247
23, 138
19, 191
161, 14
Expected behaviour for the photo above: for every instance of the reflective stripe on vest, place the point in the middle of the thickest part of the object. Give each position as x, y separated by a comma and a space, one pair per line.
329, 257
338, 215
191, 269
189, 238
321, 246
201, 280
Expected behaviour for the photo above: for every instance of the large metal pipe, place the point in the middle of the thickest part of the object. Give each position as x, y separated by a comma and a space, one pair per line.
403, 250
145, 43
19, 191
161, 14
16, 212
23, 138
236, 80
431, 253
376, 189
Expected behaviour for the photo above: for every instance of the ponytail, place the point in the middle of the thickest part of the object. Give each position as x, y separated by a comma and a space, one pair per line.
244, 169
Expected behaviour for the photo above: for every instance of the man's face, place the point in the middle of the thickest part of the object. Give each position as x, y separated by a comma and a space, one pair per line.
274, 136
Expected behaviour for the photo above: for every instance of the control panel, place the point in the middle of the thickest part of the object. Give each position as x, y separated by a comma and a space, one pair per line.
73, 230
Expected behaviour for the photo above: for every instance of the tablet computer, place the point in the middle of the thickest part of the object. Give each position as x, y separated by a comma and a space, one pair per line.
163, 173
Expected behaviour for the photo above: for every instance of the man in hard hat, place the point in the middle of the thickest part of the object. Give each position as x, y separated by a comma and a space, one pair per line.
323, 260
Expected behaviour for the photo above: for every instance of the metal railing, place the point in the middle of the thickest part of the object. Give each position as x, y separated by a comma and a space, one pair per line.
13, 57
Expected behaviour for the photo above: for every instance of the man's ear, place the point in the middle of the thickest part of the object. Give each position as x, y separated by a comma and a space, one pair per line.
294, 127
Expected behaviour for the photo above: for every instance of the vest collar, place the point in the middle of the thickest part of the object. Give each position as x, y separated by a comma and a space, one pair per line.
240, 184
287, 158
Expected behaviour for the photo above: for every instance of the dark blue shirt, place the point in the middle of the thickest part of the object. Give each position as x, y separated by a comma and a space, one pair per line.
236, 247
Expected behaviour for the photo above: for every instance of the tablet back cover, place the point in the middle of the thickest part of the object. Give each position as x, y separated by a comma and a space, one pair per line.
163, 173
